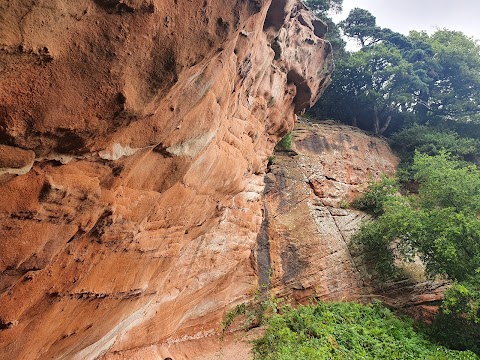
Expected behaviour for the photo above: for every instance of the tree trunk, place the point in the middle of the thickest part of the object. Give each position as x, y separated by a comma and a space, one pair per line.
376, 121
385, 126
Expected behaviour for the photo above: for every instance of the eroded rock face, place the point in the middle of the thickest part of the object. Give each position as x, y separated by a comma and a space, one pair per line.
134, 137
304, 248
305, 242
309, 228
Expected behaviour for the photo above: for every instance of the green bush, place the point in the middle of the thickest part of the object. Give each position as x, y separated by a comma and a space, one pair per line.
442, 226
457, 324
376, 195
440, 223
346, 331
431, 141
286, 142
447, 182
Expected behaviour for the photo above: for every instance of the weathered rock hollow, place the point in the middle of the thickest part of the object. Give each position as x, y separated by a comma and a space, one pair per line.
134, 136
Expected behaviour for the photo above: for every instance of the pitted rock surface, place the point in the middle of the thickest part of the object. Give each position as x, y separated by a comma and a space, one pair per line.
134, 138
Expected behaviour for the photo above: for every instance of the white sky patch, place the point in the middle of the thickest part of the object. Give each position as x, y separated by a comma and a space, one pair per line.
429, 15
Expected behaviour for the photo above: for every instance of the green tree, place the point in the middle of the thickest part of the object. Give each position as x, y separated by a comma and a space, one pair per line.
362, 26
396, 80
447, 183
324, 6
370, 88
454, 93
430, 140
441, 225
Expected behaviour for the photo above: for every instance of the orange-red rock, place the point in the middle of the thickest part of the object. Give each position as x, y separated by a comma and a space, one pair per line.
308, 228
306, 236
141, 129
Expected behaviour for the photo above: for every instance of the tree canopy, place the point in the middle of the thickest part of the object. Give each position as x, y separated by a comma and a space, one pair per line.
395, 80
362, 26
324, 6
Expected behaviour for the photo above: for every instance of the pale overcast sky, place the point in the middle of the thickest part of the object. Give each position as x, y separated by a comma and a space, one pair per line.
405, 15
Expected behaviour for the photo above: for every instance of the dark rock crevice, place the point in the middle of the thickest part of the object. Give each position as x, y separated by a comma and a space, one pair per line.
263, 252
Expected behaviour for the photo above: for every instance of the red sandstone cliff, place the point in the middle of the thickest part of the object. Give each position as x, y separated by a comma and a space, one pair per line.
133, 141
304, 247
307, 248
309, 227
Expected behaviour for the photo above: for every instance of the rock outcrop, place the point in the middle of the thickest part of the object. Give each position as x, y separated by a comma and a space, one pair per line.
307, 248
309, 226
304, 248
134, 137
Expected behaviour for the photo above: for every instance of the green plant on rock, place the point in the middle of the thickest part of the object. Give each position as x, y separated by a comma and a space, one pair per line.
286, 142
343, 204
231, 315
376, 195
255, 311
271, 160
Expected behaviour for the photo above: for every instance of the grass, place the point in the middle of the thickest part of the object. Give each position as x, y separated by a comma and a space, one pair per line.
346, 331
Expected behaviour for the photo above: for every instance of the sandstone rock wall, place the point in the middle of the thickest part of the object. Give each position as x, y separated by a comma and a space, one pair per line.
309, 230
306, 250
134, 136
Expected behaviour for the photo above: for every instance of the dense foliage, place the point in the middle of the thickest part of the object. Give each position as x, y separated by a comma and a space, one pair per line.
431, 141
324, 6
346, 331
396, 80
440, 224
